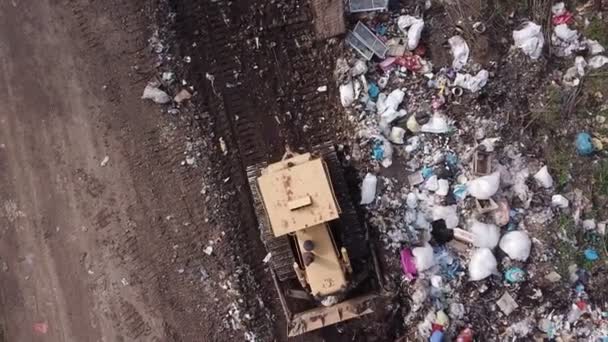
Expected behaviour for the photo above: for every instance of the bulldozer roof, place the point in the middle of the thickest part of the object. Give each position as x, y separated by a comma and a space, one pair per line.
297, 194
325, 274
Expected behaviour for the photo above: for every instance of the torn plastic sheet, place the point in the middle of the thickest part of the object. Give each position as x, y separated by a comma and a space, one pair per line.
530, 39
460, 51
472, 83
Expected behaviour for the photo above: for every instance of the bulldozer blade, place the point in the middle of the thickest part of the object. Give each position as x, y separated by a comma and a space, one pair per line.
320, 317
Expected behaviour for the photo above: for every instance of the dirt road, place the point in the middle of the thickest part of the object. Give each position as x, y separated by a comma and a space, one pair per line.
95, 250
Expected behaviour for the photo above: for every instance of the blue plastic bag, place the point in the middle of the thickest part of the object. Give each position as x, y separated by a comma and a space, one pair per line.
584, 144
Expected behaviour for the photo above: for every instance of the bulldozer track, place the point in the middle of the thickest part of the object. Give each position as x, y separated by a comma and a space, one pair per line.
282, 257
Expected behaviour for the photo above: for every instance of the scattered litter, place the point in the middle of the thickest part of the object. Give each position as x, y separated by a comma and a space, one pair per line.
482, 265
561, 15
104, 161
484, 187
397, 135
597, 62
584, 144
423, 257
502, 214
516, 244
544, 178
466, 335
591, 254
530, 39
438, 124
460, 52
322, 89
447, 130
407, 263
347, 94
359, 68
168, 77
447, 213
565, 41
589, 224
208, 250
553, 277
267, 258
368, 188
443, 187
436, 336
472, 83
515, 275
412, 28
594, 46
182, 96
485, 235
41, 328
153, 92
559, 201
507, 304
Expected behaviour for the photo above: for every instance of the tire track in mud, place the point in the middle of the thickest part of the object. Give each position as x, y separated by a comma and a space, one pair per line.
149, 246
248, 114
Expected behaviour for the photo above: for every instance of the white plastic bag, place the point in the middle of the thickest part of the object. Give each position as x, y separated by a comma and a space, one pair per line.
484, 187
485, 235
423, 257
368, 188
347, 94
449, 214
460, 52
530, 40
482, 264
559, 201
516, 244
565, 40
152, 92
412, 28
593, 46
437, 124
544, 178
597, 62
396, 136
393, 100
359, 68
472, 83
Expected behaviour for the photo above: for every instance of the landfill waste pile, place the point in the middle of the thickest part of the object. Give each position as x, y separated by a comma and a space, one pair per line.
481, 153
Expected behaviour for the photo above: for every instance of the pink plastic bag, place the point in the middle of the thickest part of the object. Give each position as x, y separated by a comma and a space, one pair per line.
407, 263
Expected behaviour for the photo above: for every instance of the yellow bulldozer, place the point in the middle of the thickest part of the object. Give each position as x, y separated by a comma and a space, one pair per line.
311, 233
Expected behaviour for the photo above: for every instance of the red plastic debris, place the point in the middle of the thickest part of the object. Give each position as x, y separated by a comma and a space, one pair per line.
41, 328
420, 50
564, 18
435, 327
466, 335
581, 305
411, 62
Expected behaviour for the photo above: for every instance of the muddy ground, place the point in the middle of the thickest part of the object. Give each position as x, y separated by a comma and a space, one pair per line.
93, 250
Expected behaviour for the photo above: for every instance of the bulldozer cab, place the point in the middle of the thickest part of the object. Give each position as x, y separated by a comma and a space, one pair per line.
300, 201
297, 194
